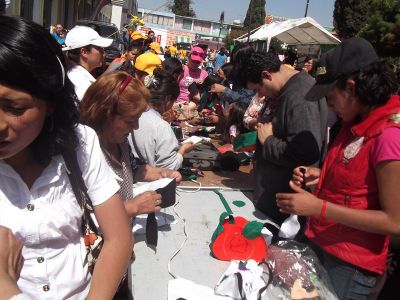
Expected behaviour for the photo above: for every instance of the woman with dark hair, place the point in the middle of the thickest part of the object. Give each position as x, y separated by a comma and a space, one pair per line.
356, 204
226, 73
38, 127
154, 141
173, 66
238, 93
234, 123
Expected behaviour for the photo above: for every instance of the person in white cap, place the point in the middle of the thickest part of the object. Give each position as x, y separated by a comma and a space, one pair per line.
85, 52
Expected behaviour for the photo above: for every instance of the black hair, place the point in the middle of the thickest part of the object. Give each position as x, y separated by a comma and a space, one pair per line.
272, 50
236, 116
307, 58
31, 60
259, 62
375, 84
239, 57
209, 81
127, 67
163, 85
173, 66
227, 68
95, 27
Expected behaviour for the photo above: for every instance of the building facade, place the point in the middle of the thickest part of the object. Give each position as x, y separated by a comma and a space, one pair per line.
185, 30
67, 12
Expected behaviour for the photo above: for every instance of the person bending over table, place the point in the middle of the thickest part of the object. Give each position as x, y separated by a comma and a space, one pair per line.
356, 204
112, 107
154, 141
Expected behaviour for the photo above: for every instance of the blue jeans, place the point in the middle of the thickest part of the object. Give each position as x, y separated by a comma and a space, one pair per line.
349, 282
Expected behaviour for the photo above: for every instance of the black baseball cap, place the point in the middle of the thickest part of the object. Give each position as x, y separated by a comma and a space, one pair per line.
348, 57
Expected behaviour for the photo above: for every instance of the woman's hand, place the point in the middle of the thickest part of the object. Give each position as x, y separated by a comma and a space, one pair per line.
143, 203
300, 202
168, 173
186, 148
311, 175
253, 124
195, 98
217, 88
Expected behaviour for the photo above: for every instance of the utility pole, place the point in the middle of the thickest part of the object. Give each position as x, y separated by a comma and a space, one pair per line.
221, 21
249, 28
305, 14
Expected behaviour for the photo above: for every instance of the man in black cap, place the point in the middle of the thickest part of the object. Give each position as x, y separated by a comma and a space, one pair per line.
294, 132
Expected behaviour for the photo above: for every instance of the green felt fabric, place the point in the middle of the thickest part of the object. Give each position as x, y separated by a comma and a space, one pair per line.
245, 140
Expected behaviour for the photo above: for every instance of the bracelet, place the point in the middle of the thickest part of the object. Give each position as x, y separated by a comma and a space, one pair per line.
323, 209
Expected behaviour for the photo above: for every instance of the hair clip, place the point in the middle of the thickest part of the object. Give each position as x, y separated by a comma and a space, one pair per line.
124, 84
151, 80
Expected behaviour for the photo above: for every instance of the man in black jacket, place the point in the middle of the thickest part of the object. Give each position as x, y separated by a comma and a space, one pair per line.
293, 130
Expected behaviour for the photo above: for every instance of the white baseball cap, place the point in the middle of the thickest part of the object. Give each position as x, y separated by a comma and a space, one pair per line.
81, 36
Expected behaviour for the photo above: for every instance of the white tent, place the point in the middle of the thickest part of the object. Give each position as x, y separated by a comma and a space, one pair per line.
304, 31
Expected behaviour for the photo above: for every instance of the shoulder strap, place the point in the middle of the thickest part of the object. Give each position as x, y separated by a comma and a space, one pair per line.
80, 190
76, 179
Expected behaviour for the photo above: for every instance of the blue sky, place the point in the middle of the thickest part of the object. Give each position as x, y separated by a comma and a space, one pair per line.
320, 10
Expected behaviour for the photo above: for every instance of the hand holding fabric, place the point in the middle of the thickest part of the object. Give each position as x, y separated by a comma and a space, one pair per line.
300, 202
311, 175
167, 173
144, 203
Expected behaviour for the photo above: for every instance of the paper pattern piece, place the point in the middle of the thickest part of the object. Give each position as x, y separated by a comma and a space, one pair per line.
194, 139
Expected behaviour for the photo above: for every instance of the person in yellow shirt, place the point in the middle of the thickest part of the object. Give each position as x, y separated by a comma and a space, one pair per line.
182, 55
173, 50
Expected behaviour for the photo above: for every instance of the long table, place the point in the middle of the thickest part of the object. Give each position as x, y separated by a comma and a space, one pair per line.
197, 214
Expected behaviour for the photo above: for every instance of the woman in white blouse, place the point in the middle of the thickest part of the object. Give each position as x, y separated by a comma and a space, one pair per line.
38, 122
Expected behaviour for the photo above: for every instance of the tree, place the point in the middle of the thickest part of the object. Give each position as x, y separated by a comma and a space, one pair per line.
182, 8
255, 15
382, 28
349, 16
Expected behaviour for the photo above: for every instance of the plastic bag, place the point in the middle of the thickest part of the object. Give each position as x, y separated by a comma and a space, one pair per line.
297, 273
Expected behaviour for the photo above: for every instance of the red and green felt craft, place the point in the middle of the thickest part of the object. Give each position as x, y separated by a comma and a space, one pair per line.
245, 142
235, 238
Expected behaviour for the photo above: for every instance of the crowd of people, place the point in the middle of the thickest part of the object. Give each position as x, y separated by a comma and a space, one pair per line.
338, 174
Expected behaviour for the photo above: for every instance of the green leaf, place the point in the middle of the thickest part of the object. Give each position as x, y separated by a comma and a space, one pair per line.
252, 229
239, 203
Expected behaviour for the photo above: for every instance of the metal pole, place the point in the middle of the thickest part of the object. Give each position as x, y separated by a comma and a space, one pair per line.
305, 14
249, 28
